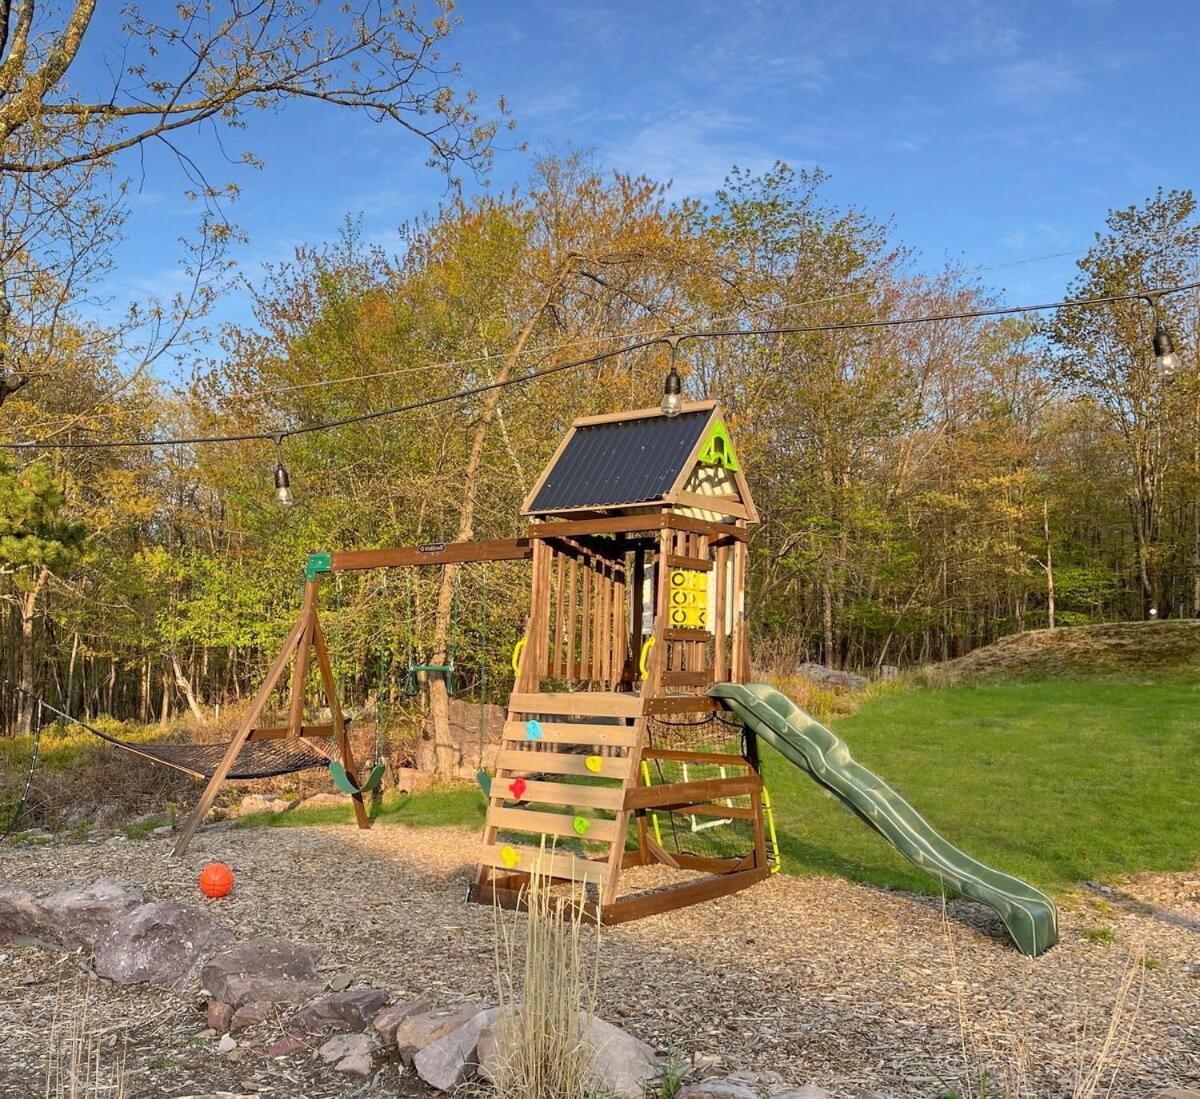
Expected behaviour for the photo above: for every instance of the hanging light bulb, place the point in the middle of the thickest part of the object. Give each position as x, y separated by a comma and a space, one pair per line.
1164, 350
672, 398
283, 483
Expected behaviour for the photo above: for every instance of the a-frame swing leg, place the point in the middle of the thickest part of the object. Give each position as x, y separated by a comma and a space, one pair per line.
339, 723
299, 630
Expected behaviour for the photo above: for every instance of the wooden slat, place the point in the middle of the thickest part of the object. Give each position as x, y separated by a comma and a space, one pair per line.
634, 524
718, 759
450, 553
561, 763
573, 732
648, 904
549, 824
687, 679
698, 564
683, 704
708, 809
557, 865
680, 793
563, 793
676, 634
722, 505
587, 703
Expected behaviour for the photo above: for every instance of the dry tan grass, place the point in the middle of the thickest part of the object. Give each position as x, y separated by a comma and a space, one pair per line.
547, 993
78, 1065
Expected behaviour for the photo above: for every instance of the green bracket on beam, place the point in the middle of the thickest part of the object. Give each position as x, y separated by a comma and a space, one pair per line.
317, 563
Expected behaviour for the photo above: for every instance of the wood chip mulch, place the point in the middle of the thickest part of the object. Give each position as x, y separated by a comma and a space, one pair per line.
819, 980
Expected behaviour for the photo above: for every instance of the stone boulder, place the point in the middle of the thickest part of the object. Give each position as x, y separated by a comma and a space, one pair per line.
251, 1014
72, 916
161, 943
831, 677
266, 970
623, 1066
453, 1059
218, 1016
19, 912
464, 734
388, 1021
351, 1010
348, 1053
717, 1089
253, 804
420, 1030
811, 1091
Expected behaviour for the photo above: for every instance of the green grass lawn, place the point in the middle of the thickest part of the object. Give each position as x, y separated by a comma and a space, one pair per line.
1053, 782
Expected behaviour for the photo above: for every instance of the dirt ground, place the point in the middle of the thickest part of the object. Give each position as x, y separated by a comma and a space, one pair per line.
819, 980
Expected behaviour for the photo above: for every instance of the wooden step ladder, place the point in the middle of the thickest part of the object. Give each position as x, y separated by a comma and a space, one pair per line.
567, 762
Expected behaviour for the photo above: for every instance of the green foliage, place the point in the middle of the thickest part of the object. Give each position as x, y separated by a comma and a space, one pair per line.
34, 528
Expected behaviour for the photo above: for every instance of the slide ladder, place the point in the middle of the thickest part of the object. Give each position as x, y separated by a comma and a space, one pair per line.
1028, 914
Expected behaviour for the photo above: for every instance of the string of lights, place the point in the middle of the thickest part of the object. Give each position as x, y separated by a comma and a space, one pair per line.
1164, 353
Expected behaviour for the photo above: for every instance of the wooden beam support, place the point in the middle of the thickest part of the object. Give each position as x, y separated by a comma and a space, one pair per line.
437, 553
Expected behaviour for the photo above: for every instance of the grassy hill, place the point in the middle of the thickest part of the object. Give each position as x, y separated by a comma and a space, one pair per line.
1118, 651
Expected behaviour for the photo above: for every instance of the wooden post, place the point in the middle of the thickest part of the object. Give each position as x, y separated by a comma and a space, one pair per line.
244, 730
300, 668
339, 725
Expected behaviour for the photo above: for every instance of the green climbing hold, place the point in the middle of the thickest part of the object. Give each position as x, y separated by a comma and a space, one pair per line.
581, 825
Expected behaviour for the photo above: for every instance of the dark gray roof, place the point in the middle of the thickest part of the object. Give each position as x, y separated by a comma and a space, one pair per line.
620, 462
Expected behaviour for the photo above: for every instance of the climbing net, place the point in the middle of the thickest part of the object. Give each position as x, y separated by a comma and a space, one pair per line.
721, 829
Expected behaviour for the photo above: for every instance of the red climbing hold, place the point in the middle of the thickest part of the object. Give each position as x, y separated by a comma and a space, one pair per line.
517, 786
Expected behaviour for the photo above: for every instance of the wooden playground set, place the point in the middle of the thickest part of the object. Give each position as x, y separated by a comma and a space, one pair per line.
632, 732
637, 539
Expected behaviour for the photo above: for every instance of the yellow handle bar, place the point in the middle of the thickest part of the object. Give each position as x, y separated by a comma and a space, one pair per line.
518, 648
647, 645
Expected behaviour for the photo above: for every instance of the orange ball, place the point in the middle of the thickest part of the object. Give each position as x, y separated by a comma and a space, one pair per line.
216, 879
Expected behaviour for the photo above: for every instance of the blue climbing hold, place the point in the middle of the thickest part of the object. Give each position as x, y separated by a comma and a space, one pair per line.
533, 729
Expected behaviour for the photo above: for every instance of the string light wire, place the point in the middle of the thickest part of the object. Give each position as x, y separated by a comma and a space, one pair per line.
279, 435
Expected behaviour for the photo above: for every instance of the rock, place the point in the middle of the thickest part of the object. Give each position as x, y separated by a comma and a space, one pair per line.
218, 1016
251, 1014
389, 1019
409, 779
717, 1089
341, 982
831, 677
253, 804
453, 1058
76, 916
324, 801
810, 1091
340, 1011
624, 1067
418, 1031
762, 1080
1175, 1093
249, 988
226, 1044
285, 1047
19, 913
161, 943
348, 1053
275, 970
160, 833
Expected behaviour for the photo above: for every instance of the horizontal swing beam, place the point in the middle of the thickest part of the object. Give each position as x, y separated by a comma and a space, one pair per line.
436, 553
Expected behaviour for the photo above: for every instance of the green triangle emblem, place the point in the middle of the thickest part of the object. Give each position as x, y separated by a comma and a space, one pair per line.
718, 449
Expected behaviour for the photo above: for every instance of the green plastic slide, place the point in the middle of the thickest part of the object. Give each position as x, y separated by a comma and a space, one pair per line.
1029, 915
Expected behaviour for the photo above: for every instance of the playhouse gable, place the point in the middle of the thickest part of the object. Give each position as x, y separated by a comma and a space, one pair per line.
636, 460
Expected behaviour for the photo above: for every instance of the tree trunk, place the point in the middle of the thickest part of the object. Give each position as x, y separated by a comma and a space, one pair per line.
445, 760
185, 685
1049, 566
29, 607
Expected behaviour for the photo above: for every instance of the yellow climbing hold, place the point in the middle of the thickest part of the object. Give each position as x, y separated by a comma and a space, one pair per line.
593, 764
510, 856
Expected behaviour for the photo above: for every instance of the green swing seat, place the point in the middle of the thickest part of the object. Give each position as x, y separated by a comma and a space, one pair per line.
342, 780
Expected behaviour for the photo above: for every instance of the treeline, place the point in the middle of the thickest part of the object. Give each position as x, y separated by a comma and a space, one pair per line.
923, 489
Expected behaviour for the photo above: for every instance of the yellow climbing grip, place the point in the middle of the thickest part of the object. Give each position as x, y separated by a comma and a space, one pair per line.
518, 648
647, 645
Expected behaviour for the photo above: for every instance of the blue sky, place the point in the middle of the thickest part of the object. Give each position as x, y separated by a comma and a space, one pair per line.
992, 133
